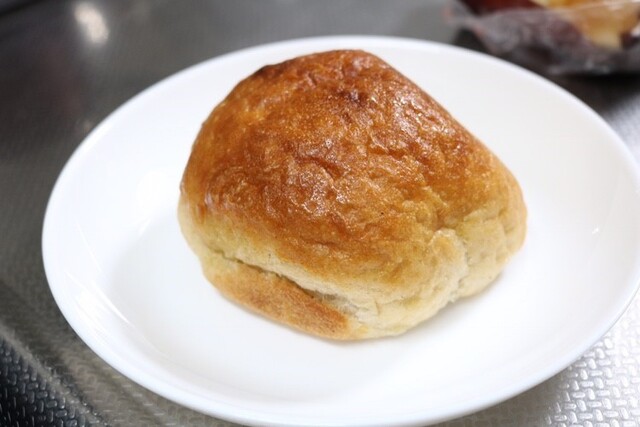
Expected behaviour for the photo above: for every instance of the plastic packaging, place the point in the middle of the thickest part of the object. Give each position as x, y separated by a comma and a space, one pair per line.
591, 38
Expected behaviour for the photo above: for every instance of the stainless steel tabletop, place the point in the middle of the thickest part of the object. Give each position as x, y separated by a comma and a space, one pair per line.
65, 65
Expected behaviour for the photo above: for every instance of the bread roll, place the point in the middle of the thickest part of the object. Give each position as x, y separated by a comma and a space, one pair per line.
330, 193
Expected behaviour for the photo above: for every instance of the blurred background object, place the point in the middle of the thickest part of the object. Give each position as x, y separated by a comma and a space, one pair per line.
557, 36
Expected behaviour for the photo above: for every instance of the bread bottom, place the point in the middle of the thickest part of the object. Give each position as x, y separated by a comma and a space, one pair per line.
468, 270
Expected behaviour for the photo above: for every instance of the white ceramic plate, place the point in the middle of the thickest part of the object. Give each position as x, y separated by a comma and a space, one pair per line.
127, 283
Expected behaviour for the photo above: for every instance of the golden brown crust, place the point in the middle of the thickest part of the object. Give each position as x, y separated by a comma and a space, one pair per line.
277, 298
336, 170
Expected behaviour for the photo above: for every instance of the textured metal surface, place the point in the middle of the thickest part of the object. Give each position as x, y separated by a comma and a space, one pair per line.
64, 65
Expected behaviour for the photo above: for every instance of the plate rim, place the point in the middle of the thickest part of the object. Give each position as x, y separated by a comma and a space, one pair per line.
244, 415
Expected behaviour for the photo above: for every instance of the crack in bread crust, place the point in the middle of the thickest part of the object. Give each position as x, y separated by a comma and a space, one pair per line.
267, 293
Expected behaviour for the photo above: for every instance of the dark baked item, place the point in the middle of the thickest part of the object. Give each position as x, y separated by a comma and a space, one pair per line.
332, 194
604, 23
